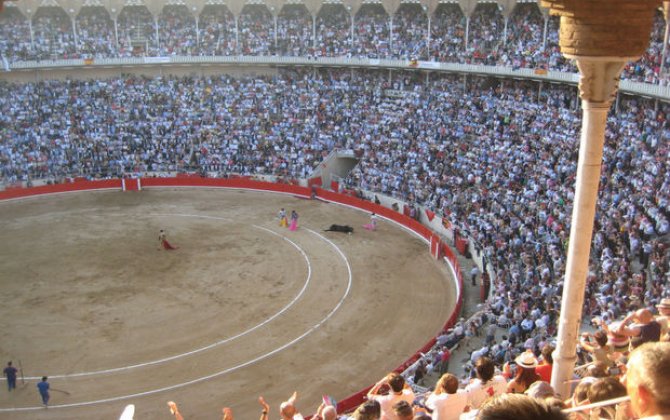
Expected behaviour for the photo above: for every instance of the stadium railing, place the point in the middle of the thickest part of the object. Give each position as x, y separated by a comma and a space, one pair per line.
625, 86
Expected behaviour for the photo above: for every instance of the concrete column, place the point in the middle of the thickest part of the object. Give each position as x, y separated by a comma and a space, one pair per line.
390, 34
158, 40
32, 34
237, 33
197, 32
598, 83
506, 17
352, 32
665, 48
666, 15
602, 35
74, 32
196, 17
544, 33
314, 32
116, 33
616, 103
429, 34
275, 17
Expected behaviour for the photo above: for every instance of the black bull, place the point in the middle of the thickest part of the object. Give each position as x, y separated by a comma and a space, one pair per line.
340, 228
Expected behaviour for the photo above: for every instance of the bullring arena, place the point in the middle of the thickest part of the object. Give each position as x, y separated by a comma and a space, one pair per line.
536, 144
242, 308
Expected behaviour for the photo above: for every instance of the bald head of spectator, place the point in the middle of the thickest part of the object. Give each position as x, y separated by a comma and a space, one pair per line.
329, 413
287, 409
648, 379
643, 316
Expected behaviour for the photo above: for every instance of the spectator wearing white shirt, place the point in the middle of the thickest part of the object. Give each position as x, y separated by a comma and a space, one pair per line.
397, 390
447, 402
486, 385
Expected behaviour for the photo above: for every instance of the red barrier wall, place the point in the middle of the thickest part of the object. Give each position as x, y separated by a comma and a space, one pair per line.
241, 183
61, 188
348, 403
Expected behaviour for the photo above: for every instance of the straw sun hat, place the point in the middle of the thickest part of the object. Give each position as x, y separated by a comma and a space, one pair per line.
526, 360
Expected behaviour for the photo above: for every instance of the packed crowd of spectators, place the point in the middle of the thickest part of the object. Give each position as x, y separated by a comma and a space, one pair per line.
638, 389
217, 31
333, 31
447, 34
294, 31
517, 41
256, 31
52, 34
137, 33
15, 37
410, 32
371, 32
95, 32
177, 31
486, 34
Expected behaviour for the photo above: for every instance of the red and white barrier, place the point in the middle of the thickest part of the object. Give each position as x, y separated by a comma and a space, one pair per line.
131, 184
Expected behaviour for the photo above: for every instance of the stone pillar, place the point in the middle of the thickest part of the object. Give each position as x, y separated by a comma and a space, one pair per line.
602, 35
666, 16
237, 34
196, 16
158, 37
468, 8
352, 14
598, 83
275, 16
73, 18
29, 15
115, 18
314, 32
390, 33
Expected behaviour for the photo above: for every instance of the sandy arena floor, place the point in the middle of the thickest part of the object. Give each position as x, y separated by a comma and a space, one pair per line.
242, 308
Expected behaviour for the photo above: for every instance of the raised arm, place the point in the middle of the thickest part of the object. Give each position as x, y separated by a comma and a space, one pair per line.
266, 408
174, 410
227, 413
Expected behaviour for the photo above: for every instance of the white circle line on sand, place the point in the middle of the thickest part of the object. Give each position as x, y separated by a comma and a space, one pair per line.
209, 346
225, 371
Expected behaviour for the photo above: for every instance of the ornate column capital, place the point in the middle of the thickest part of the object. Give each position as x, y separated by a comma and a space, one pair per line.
599, 79
604, 28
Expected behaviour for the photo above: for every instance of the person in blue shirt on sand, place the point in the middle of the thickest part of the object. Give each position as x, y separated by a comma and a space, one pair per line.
43, 387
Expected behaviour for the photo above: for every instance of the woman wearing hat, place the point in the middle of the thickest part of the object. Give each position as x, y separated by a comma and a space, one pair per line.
525, 373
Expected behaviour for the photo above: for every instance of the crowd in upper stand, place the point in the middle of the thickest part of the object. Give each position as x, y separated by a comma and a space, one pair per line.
294, 31
217, 31
333, 31
488, 39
